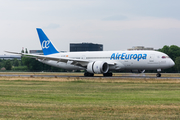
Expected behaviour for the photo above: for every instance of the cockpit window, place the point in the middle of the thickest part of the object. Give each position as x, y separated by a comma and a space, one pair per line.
165, 57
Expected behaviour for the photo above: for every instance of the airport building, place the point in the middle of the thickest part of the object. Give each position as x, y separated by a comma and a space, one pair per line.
140, 48
10, 57
77, 47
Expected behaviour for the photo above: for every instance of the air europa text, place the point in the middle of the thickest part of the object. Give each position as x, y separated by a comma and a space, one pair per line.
125, 56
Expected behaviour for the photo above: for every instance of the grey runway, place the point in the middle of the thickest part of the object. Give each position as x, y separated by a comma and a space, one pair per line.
113, 77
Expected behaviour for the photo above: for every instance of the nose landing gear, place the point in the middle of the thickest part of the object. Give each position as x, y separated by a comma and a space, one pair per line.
158, 73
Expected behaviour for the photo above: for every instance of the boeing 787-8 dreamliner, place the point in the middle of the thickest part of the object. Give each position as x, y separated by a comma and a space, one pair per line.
100, 62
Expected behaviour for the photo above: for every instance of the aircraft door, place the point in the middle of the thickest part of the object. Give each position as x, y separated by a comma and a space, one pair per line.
153, 59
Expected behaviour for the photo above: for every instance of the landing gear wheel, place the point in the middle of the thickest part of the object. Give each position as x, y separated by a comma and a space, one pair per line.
158, 75
107, 74
86, 74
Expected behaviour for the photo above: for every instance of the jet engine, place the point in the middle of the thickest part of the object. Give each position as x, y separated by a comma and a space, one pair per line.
98, 67
137, 71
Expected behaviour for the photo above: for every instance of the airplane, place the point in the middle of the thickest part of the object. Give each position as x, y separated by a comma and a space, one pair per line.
100, 62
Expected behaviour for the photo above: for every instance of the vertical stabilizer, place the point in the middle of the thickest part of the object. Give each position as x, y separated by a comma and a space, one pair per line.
46, 45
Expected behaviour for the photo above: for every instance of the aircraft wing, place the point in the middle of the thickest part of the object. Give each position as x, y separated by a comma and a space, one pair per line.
78, 62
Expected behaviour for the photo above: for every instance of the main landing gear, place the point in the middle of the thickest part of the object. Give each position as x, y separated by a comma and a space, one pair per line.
158, 73
109, 74
87, 74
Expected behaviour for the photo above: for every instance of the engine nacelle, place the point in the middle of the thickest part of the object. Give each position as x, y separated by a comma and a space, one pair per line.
98, 67
137, 71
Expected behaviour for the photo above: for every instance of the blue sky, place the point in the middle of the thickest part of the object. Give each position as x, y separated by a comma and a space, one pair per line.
117, 24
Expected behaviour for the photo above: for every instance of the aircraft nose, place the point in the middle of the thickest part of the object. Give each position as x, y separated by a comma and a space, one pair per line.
171, 63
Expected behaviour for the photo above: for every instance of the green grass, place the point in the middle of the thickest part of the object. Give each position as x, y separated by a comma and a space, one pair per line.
83, 99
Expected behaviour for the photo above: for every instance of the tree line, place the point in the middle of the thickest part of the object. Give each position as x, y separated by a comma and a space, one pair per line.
30, 64
27, 65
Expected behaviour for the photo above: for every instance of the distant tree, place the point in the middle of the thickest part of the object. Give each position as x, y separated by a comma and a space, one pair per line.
22, 51
26, 51
26, 61
32, 64
35, 65
173, 52
165, 49
8, 65
15, 62
1, 63
177, 62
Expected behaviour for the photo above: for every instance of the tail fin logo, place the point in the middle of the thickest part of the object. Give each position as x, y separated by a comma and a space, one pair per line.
45, 44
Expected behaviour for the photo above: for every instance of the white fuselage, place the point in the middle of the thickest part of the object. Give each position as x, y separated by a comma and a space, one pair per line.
117, 60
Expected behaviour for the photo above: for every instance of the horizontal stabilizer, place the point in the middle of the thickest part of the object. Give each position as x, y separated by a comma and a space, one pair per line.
13, 52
